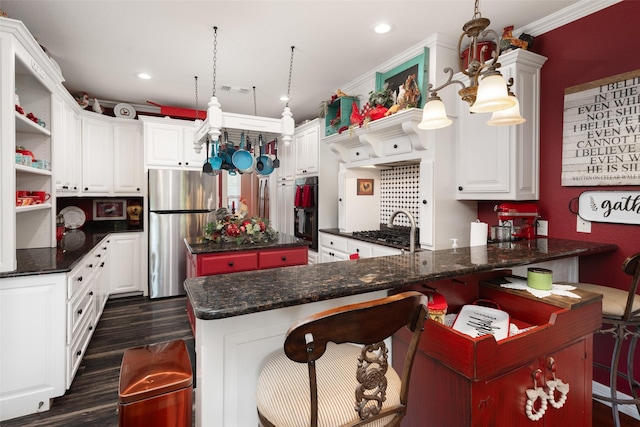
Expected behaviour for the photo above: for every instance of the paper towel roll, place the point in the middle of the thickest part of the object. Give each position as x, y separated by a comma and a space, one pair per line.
479, 234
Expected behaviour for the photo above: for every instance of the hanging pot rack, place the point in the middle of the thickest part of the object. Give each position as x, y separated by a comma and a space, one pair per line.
211, 127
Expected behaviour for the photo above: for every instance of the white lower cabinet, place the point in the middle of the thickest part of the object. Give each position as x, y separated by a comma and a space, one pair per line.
338, 248
125, 260
32, 339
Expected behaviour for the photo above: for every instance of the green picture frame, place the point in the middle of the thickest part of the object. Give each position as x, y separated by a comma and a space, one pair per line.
398, 75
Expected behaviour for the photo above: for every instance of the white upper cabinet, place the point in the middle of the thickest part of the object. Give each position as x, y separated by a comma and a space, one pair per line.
286, 156
502, 162
111, 156
97, 156
169, 144
67, 155
307, 140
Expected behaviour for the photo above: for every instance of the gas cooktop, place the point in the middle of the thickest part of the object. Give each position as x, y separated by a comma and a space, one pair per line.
398, 236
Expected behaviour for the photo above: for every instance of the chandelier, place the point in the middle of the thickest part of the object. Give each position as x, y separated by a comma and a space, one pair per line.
487, 91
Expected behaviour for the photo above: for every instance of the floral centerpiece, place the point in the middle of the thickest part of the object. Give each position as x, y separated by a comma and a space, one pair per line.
238, 229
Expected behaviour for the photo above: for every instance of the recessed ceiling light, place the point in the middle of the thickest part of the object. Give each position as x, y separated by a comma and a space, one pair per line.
382, 28
144, 76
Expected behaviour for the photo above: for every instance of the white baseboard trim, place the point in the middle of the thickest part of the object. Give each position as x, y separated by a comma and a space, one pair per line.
604, 390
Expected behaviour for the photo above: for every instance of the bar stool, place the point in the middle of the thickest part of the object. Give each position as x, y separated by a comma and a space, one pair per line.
621, 313
354, 384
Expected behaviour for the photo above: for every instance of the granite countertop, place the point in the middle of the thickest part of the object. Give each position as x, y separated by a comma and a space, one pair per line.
228, 295
74, 245
198, 245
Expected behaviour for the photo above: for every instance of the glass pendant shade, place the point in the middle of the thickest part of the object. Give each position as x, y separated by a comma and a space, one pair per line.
434, 115
510, 116
492, 95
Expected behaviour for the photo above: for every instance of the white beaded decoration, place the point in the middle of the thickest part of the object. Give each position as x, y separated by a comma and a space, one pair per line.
534, 394
563, 388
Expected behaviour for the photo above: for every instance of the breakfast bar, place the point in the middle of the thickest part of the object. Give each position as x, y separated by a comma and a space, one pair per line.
241, 318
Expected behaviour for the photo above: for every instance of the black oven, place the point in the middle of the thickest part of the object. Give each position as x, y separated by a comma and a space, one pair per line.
305, 214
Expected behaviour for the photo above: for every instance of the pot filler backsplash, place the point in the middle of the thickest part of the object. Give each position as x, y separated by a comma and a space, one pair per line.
400, 189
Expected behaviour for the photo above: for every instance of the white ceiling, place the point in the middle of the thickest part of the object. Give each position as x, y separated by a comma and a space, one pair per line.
102, 45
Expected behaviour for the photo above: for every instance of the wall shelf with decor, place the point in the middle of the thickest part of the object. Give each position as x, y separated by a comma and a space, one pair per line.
395, 134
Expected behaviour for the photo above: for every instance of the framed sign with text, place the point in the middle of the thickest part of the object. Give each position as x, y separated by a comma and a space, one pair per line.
601, 132
621, 207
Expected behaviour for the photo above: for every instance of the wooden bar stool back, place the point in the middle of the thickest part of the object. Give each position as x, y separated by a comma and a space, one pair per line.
621, 318
334, 369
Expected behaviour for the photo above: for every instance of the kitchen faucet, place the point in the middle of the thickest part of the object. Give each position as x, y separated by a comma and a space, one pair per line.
412, 237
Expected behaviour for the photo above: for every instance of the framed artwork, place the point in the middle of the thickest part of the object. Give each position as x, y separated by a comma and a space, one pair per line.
365, 187
398, 75
114, 209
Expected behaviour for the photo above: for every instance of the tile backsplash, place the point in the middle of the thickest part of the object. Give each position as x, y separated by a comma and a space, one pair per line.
400, 189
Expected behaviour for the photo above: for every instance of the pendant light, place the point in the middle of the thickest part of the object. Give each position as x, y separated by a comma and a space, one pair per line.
288, 124
214, 112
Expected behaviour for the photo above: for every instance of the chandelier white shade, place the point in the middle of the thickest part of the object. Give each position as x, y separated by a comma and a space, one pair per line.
510, 116
492, 95
434, 115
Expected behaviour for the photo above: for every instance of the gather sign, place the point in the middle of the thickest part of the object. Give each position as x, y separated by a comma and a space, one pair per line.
622, 207
601, 132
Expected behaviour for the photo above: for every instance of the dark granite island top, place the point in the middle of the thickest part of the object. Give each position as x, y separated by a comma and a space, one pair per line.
222, 296
199, 245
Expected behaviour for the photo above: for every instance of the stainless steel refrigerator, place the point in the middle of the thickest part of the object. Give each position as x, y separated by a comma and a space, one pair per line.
180, 205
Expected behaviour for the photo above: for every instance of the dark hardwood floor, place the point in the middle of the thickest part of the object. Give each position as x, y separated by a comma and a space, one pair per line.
92, 399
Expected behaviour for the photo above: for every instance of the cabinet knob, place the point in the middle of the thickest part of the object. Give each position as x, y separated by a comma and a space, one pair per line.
357, 153
424, 202
86, 188
137, 189
91, 293
79, 353
98, 255
331, 243
358, 250
89, 266
80, 279
186, 163
179, 163
340, 199
65, 187
102, 264
284, 258
395, 145
230, 263
80, 311
460, 188
91, 328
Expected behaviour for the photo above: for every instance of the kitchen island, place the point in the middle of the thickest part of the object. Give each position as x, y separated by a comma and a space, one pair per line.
242, 318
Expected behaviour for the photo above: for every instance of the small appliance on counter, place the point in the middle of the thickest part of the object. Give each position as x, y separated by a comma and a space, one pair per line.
517, 221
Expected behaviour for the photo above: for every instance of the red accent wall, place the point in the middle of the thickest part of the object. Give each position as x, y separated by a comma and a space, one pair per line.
594, 47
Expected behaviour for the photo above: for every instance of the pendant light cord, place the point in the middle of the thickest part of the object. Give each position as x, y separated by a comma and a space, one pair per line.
197, 109
290, 72
255, 105
215, 57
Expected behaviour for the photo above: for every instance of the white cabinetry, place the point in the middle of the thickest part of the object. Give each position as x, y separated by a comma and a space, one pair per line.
284, 218
125, 260
338, 248
67, 162
30, 74
111, 156
32, 339
286, 155
169, 144
502, 162
307, 140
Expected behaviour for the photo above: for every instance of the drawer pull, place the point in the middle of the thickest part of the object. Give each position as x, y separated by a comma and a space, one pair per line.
79, 353
80, 279
80, 311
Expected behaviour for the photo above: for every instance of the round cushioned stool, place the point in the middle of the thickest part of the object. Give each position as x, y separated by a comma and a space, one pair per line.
621, 318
